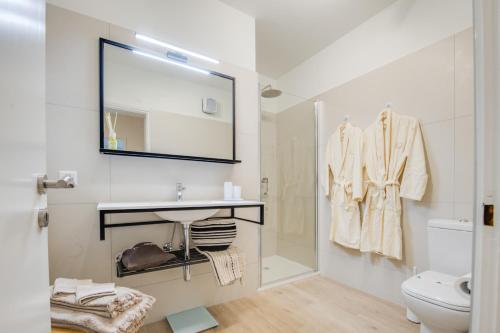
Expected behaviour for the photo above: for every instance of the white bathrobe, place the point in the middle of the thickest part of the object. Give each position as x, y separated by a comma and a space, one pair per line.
344, 184
395, 167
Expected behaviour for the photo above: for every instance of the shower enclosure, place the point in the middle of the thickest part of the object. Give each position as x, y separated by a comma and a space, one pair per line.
288, 186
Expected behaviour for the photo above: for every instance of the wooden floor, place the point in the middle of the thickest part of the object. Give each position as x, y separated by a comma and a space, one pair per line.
316, 304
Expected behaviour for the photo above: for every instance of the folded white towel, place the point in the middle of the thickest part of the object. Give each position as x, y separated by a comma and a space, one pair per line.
68, 286
106, 306
89, 292
129, 321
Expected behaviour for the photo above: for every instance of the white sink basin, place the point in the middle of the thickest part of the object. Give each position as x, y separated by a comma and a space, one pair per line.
202, 208
187, 216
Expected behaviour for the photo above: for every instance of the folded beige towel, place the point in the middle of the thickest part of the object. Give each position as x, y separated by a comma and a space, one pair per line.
129, 321
68, 286
228, 265
89, 292
107, 306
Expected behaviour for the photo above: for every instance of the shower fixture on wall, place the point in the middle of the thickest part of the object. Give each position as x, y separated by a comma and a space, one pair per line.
269, 92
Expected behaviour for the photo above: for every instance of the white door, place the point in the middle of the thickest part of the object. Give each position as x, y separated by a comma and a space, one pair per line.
486, 273
24, 296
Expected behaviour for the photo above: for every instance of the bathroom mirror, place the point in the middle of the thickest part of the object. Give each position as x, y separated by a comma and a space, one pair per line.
158, 105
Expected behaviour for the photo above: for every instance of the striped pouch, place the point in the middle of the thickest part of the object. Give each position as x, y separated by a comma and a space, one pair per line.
213, 235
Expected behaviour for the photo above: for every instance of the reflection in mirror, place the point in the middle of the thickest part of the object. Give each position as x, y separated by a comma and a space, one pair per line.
155, 105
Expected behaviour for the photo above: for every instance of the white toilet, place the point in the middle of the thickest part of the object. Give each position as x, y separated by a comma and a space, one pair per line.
432, 295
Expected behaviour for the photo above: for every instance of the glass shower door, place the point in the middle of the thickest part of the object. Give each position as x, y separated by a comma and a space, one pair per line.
288, 187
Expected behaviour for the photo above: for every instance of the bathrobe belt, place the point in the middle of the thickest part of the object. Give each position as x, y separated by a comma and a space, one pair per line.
346, 187
382, 187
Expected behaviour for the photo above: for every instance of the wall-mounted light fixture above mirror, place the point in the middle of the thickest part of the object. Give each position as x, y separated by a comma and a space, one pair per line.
157, 105
174, 48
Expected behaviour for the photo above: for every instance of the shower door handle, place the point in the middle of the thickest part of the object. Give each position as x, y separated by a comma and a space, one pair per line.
265, 181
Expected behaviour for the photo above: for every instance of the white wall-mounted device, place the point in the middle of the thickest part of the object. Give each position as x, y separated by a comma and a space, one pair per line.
209, 105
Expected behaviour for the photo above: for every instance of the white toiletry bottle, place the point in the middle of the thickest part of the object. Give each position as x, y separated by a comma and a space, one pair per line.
236, 192
228, 190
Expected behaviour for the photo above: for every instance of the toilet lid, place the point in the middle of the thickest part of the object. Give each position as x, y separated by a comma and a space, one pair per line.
436, 288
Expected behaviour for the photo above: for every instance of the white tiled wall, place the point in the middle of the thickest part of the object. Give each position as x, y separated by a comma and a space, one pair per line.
435, 85
72, 143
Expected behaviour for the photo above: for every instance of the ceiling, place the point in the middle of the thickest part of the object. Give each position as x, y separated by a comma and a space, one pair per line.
290, 31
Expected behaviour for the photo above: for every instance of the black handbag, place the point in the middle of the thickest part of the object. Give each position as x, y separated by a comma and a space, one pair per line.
144, 255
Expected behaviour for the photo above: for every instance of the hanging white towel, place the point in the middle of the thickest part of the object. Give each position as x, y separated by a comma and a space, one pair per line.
228, 265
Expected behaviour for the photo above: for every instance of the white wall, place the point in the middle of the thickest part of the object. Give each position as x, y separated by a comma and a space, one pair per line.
402, 28
73, 142
416, 55
435, 85
208, 27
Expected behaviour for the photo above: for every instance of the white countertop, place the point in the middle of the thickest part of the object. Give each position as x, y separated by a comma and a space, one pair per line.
175, 204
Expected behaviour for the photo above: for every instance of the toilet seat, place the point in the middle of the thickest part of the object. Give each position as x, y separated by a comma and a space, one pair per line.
436, 288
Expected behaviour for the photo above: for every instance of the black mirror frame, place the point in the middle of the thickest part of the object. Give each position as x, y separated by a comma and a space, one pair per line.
103, 150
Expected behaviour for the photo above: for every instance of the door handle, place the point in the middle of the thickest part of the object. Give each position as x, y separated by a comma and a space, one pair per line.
43, 218
43, 183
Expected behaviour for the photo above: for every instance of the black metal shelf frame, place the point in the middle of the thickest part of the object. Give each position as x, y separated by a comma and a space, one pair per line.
179, 261
103, 226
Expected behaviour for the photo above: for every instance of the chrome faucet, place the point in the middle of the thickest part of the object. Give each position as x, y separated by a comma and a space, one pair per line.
179, 189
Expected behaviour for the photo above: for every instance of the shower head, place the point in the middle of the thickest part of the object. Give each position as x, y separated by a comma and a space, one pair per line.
269, 92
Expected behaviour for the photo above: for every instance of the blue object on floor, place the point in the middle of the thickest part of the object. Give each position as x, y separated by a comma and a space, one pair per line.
191, 321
